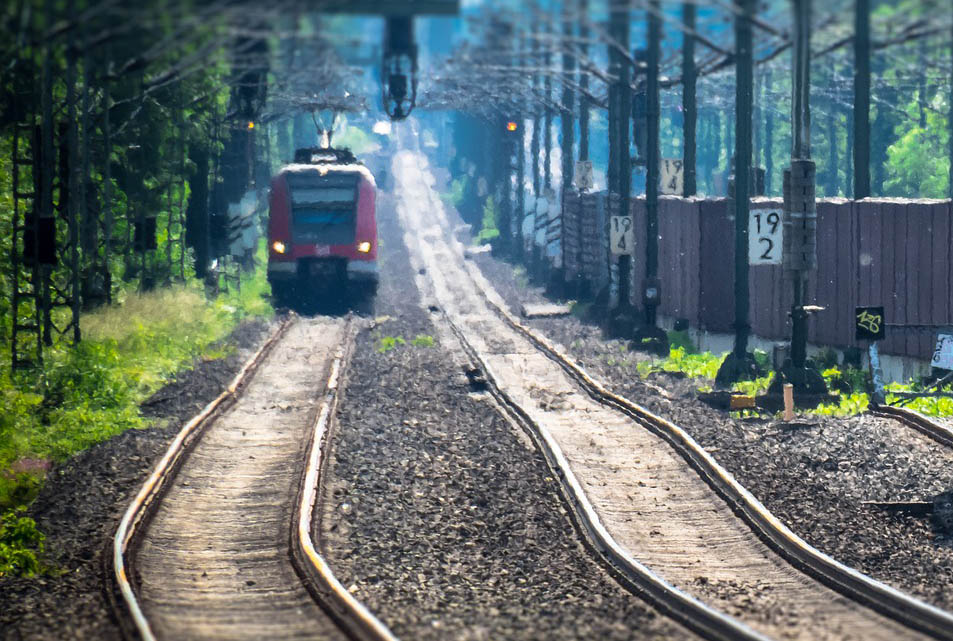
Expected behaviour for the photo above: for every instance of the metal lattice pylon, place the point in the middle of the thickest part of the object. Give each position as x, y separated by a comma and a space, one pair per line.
26, 345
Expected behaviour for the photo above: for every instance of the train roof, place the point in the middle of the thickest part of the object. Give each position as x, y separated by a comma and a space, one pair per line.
328, 168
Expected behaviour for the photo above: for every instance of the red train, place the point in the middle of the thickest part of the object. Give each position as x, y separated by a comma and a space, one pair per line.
322, 226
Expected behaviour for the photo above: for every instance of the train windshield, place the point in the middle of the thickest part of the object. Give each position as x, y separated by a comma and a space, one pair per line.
323, 207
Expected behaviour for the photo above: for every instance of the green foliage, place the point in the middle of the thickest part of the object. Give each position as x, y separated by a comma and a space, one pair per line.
423, 340
755, 387
490, 229
89, 393
919, 162
21, 545
929, 406
355, 139
680, 360
683, 340
458, 188
847, 405
387, 343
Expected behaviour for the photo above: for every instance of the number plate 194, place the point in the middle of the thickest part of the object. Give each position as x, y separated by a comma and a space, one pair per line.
621, 236
765, 231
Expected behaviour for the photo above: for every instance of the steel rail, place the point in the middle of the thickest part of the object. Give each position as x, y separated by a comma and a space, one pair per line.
311, 566
893, 603
679, 605
939, 433
165, 469
668, 599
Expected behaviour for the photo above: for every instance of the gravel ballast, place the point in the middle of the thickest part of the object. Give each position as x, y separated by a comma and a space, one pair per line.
815, 475
438, 514
84, 498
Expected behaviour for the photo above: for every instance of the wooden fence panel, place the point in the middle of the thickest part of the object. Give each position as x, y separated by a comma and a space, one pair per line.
571, 234
941, 246
639, 216
717, 255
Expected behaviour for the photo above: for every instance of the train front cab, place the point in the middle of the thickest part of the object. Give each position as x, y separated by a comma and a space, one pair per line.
322, 231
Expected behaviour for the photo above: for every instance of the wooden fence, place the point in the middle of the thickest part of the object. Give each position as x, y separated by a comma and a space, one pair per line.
889, 252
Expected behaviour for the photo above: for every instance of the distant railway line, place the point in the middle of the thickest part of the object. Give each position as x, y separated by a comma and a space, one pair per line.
935, 429
659, 510
217, 544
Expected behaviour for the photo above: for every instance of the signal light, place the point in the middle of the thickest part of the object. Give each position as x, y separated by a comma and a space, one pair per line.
511, 126
364, 247
279, 247
251, 124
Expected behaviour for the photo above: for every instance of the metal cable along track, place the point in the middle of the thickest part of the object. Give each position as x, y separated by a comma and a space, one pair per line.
857, 586
129, 613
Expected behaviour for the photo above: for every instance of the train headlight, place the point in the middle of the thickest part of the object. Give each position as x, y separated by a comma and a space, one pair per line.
279, 247
364, 247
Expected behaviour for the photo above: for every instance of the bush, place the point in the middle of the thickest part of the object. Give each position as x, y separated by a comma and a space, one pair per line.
21, 545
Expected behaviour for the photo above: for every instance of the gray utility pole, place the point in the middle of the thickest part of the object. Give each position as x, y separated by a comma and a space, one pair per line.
534, 143
740, 364
584, 82
950, 124
800, 213
620, 162
568, 115
649, 336
520, 251
689, 105
69, 182
862, 99
566, 120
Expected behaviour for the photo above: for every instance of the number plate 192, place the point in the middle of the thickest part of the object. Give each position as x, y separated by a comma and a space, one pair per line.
765, 230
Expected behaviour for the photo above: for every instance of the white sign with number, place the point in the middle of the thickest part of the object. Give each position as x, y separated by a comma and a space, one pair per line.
765, 229
621, 235
943, 355
582, 178
673, 176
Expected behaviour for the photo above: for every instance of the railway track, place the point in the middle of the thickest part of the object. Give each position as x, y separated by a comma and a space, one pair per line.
217, 544
709, 554
939, 432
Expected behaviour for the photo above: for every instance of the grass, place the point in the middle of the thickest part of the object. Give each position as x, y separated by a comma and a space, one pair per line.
489, 230
87, 394
681, 360
387, 343
423, 340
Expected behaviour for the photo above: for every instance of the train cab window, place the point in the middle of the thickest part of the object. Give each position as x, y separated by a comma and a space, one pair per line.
323, 207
